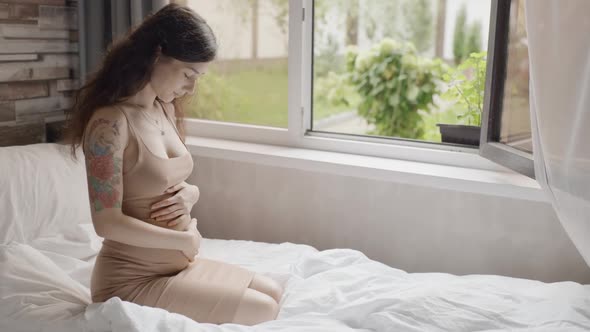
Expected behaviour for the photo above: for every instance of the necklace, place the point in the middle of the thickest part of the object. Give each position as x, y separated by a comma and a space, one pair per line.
151, 120
159, 125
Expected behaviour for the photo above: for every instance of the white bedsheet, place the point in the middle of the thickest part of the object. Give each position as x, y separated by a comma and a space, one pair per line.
44, 287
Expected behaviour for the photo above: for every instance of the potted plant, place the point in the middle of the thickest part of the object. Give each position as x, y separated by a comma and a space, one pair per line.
466, 89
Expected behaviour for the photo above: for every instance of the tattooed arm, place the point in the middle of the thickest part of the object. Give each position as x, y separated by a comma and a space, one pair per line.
104, 143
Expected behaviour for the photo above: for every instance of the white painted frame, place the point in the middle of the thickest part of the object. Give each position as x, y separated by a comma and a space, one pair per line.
298, 134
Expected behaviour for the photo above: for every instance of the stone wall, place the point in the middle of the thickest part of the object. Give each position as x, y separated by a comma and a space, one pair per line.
38, 68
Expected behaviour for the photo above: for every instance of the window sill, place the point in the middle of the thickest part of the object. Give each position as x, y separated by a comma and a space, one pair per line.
487, 182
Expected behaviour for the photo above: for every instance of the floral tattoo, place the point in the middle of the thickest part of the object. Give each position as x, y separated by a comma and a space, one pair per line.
103, 167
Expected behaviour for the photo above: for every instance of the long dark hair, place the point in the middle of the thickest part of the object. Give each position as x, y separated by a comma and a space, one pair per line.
175, 31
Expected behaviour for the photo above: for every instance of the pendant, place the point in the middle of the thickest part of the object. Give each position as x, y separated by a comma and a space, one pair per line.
162, 132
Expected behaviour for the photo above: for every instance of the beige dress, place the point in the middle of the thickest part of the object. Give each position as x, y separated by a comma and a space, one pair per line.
205, 290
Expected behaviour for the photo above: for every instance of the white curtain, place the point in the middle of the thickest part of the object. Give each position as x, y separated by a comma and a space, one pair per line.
559, 51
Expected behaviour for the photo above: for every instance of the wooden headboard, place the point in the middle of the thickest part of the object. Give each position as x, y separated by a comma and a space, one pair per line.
31, 133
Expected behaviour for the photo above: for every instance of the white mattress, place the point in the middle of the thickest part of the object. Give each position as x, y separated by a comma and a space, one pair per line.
44, 287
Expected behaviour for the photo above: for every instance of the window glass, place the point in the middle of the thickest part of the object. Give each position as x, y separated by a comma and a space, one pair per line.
247, 83
400, 68
515, 128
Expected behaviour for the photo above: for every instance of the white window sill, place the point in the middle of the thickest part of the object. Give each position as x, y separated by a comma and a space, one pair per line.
488, 182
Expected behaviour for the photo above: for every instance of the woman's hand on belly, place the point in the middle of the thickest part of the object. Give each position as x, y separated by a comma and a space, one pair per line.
194, 241
181, 223
181, 203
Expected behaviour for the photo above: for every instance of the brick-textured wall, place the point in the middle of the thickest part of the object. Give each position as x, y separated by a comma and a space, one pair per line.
38, 67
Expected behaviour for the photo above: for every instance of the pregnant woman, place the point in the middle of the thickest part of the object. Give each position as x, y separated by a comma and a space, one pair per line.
129, 122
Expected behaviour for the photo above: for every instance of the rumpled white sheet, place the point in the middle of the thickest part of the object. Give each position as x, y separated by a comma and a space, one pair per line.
44, 287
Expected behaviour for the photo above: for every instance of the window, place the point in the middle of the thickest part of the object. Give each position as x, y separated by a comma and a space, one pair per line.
437, 81
507, 130
248, 81
407, 69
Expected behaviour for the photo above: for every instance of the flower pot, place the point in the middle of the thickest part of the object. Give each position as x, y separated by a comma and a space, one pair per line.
459, 134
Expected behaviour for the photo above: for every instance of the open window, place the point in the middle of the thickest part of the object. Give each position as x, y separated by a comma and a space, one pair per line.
418, 72
456, 87
506, 129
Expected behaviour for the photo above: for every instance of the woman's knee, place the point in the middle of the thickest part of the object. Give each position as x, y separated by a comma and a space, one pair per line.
267, 286
275, 291
256, 307
270, 308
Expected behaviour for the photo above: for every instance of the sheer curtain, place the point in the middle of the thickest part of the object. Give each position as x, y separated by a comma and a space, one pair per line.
559, 50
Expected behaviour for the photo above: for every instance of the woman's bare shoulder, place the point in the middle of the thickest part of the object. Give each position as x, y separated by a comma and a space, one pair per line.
109, 121
111, 112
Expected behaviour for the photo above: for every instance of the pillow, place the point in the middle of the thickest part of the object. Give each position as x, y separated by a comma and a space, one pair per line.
43, 190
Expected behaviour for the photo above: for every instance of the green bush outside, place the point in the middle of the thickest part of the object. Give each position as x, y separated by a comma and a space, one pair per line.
395, 83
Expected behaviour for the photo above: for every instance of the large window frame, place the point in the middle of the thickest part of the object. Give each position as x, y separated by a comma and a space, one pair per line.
298, 134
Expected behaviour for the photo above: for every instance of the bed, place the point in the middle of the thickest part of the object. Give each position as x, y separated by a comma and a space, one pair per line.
48, 247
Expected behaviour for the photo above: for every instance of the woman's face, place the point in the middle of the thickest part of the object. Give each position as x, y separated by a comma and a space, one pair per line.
173, 79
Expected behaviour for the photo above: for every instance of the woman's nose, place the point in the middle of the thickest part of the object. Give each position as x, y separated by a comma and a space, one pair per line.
190, 88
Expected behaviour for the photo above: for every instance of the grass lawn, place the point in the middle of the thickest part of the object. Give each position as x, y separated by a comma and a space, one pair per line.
258, 97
